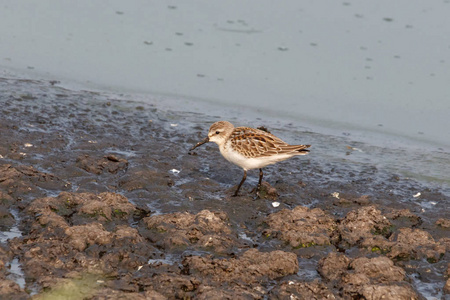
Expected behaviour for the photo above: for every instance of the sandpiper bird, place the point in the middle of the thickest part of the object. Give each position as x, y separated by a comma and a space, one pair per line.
250, 148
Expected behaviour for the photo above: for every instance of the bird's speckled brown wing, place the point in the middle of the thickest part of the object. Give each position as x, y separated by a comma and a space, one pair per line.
254, 143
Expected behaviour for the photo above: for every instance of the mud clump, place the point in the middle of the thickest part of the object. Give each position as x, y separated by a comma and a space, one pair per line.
334, 266
238, 274
267, 191
79, 237
145, 179
363, 224
302, 290
8, 288
273, 265
403, 218
6, 218
347, 200
11, 290
368, 228
56, 246
302, 227
204, 277
367, 278
109, 163
21, 180
410, 243
445, 223
82, 207
447, 283
204, 230
164, 280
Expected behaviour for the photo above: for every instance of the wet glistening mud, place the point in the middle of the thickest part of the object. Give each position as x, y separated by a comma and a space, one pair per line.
100, 199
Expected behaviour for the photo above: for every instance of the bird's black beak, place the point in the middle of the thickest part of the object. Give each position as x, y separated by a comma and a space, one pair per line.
200, 143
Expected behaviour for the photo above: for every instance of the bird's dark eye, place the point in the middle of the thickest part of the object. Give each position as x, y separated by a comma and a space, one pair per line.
217, 132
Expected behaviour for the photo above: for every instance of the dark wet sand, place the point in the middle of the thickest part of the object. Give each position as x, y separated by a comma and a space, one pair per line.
92, 182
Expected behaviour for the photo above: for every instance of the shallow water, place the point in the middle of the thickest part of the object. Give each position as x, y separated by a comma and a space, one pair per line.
11, 232
16, 273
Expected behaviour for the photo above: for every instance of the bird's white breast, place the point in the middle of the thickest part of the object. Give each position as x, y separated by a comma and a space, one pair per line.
248, 163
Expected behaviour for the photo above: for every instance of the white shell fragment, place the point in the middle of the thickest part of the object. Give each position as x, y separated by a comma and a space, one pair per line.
417, 195
275, 204
354, 149
335, 195
28, 145
174, 125
175, 171
140, 267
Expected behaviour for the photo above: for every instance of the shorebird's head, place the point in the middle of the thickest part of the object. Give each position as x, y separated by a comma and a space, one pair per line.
218, 133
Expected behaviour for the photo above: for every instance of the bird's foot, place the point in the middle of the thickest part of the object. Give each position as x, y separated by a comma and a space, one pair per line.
236, 193
256, 191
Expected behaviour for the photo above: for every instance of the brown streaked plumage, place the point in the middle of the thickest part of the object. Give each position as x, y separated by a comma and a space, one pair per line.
250, 148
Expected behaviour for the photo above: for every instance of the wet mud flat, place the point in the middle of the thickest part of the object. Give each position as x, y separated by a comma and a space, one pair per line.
101, 200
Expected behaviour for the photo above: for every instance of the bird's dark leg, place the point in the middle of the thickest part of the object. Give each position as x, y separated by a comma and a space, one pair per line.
260, 179
257, 189
240, 184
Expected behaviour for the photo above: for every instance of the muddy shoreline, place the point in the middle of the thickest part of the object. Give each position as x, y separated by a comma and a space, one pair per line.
107, 203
